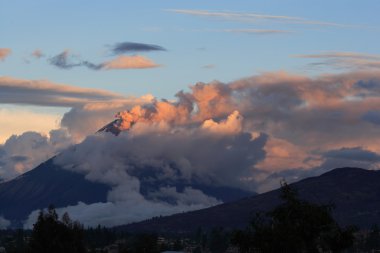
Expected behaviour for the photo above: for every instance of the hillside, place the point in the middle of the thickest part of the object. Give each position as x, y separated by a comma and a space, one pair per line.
47, 184
354, 192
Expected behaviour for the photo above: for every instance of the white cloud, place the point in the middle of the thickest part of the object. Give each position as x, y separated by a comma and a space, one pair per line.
20, 120
344, 60
248, 17
4, 223
21, 153
130, 62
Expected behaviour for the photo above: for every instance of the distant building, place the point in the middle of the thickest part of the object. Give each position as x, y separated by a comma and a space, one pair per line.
2, 250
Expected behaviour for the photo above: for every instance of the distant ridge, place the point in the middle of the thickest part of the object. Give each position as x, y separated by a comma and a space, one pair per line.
355, 193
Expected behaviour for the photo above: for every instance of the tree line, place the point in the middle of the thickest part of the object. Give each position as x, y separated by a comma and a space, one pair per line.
293, 226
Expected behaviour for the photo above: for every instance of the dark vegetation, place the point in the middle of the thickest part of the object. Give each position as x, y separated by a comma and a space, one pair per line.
294, 225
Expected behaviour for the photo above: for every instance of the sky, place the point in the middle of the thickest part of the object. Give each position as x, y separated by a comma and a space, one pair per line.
293, 85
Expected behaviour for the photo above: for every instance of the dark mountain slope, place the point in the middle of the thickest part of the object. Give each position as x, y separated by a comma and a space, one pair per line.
355, 193
50, 184
47, 184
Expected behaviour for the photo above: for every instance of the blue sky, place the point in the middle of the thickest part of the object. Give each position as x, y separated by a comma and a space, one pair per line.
87, 27
198, 47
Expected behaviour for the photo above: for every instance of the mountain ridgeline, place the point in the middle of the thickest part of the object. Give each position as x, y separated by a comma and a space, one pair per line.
354, 192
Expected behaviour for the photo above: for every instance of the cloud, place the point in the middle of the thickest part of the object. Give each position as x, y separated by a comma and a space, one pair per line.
372, 117
86, 120
21, 153
130, 62
282, 154
233, 124
349, 55
64, 60
61, 61
19, 120
209, 66
25, 149
46, 93
355, 154
4, 223
255, 17
256, 31
344, 60
302, 111
37, 54
300, 115
111, 214
133, 47
357, 157
4, 53
190, 152
136, 158
90, 108
249, 133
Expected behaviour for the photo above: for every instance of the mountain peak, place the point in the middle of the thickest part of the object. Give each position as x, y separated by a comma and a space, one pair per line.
111, 127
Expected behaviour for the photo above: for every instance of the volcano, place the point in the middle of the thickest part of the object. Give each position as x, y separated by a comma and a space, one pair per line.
50, 183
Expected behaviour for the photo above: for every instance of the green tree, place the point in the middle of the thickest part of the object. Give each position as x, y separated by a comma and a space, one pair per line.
294, 226
52, 235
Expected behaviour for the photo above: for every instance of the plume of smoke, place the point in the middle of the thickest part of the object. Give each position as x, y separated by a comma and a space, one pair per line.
190, 151
213, 153
205, 101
